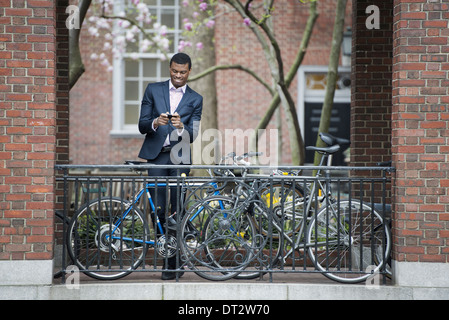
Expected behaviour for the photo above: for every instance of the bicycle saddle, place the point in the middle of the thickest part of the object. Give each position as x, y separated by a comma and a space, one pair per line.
330, 140
327, 150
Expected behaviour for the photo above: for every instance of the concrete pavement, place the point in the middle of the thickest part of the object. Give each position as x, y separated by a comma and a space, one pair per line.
282, 286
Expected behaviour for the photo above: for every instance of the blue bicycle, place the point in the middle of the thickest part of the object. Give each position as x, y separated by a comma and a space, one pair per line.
109, 237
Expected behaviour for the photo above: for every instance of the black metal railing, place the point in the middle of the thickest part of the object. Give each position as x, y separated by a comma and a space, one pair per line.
234, 224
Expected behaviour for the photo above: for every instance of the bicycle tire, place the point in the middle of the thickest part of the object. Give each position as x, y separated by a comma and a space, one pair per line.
286, 204
217, 238
283, 202
88, 239
344, 250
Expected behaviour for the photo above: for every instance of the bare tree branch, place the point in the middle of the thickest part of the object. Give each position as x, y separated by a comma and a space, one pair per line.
229, 67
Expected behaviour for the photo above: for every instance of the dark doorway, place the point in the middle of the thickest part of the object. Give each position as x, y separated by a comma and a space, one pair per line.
339, 127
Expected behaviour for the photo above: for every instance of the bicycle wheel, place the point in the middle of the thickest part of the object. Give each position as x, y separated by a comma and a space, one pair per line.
217, 238
277, 209
343, 241
260, 215
286, 200
107, 238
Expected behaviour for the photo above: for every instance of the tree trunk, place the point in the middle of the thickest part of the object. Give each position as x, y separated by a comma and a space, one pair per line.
313, 15
202, 60
332, 74
76, 66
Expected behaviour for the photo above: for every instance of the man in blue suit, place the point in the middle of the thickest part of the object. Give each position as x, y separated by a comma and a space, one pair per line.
170, 116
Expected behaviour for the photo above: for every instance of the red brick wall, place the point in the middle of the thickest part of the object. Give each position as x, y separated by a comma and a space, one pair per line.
27, 127
420, 130
371, 85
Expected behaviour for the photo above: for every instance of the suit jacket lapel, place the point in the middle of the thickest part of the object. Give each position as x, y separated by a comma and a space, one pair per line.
167, 96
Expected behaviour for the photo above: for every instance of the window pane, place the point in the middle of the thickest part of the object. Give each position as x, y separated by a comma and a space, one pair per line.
171, 47
168, 2
150, 2
131, 68
144, 87
149, 68
168, 19
131, 114
165, 72
132, 46
132, 90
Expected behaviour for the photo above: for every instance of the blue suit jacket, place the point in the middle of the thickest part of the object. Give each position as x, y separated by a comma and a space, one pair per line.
156, 100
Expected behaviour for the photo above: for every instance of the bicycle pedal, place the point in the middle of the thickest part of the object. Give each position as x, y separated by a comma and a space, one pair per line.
171, 223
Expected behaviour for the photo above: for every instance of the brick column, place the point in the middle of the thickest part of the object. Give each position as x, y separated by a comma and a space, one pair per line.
371, 84
28, 140
420, 140
371, 74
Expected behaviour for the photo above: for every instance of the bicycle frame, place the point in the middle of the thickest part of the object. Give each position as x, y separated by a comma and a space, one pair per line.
146, 190
312, 194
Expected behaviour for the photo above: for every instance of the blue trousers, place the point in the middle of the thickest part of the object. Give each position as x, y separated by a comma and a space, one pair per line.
160, 195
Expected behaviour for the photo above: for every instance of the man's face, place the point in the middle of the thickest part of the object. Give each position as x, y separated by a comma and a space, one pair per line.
179, 73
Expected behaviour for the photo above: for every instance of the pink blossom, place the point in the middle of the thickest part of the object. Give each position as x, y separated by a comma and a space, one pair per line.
188, 26
199, 45
247, 21
185, 3
210, 24
183, 44
203, 6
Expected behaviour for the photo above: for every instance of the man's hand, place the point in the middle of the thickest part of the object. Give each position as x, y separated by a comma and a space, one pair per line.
176, 121
162, 120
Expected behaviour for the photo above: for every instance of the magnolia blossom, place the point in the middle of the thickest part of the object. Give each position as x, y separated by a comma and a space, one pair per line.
163, 31
247, 21
123, 24
93, 31
118, 33
199, 45
210, 24
131, 33
188, 26
164, 43
203, 6
183, 44
145, 44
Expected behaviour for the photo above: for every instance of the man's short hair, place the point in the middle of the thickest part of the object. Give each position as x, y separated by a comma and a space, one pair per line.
181, 58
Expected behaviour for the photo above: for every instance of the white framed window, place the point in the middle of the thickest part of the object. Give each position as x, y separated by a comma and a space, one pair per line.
135, 69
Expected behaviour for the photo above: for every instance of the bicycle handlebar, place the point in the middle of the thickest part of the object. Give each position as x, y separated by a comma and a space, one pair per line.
237, 160
243, 156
